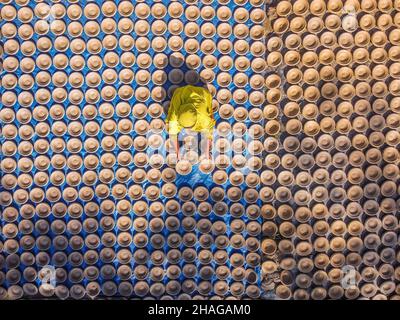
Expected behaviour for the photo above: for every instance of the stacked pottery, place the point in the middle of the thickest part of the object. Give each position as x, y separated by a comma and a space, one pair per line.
340, 149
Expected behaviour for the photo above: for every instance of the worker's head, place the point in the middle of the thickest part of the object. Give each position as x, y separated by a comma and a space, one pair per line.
187, 116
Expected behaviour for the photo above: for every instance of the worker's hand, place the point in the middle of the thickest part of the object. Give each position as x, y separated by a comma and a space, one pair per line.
208, 149
205, 157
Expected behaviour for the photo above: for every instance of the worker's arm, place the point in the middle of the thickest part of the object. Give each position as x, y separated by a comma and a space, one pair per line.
207, 136
206, 122
174, 140
208, 148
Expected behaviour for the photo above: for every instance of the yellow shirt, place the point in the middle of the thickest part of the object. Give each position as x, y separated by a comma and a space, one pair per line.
201, 100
